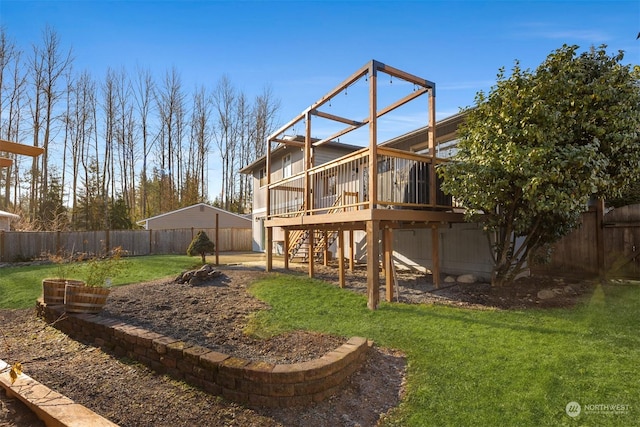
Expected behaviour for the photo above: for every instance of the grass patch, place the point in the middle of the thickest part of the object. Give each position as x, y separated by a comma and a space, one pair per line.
470, 367
21, 286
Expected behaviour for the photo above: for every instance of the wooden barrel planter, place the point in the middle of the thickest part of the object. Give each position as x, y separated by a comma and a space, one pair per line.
84, 299
53, 290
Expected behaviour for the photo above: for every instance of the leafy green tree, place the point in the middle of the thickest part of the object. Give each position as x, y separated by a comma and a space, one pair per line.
536, 148
201, 245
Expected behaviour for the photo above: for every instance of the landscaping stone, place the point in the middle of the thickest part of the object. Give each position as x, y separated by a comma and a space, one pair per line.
467, 278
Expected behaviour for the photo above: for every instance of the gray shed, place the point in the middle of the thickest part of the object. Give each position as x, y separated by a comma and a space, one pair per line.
199, 216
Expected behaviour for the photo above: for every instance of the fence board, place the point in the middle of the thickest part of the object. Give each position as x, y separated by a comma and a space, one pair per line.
22, 245
576, 253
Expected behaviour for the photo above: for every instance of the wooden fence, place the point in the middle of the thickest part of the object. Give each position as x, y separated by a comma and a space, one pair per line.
605, 243
25, 245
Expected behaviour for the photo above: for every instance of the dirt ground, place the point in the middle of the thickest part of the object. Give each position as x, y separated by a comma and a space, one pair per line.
214, 315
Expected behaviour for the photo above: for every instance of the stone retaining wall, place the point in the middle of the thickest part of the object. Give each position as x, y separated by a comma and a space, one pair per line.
253, 383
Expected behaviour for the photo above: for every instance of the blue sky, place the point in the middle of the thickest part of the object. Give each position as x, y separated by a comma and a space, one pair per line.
303, 49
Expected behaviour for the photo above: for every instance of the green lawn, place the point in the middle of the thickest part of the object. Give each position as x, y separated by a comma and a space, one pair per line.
21, 286
488, 368
465, 367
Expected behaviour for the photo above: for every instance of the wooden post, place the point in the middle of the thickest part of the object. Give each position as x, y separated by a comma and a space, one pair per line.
2, 250
373, 264
217, 239
388, 263
286, 248
311, 251
269, 249
432, 147
383, 248
373, 136
150, 241
351, 251
341, 258
435, 255
325, 242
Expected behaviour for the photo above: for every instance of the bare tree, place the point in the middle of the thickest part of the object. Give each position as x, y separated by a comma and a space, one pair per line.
48, 66
143, 94
199, 146
12, 86
225, 133
170, 101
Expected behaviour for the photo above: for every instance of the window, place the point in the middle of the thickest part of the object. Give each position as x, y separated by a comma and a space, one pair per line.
286, 166
262, 175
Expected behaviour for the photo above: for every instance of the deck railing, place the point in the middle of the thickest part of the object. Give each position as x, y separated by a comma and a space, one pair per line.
403, 181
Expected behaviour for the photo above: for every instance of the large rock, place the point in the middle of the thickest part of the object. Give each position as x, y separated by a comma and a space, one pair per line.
467, 278
546, 294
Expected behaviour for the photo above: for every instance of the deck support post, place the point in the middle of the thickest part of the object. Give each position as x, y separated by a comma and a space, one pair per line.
435, 255
311, 251
373, 264
325, 243
269, 249
351, 252
341, 258
286, 248
388, 263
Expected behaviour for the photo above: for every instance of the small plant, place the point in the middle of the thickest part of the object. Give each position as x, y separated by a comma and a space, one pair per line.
65, 263
101, 270
201, 245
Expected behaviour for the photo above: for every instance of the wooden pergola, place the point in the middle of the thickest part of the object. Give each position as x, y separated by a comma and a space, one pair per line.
371, 215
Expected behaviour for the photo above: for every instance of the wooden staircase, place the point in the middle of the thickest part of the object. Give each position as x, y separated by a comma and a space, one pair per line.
299, 239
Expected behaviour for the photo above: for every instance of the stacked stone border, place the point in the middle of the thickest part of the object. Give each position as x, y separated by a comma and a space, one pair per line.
252, 383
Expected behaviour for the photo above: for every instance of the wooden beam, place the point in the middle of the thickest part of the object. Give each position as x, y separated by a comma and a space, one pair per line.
373, 265
15, 148
288, 142
336, 118
404, 75
5, 163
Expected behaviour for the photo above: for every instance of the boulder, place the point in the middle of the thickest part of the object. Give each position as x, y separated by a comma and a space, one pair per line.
546, 294
467, 278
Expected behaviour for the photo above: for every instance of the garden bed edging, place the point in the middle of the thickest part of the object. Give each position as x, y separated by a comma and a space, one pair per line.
253, 383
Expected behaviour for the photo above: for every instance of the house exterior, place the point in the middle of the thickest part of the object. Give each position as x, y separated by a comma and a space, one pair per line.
5, 220
380, 204
198, 216
287, 161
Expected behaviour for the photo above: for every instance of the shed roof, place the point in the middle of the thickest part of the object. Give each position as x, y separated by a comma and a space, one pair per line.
142, 221
9, 215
